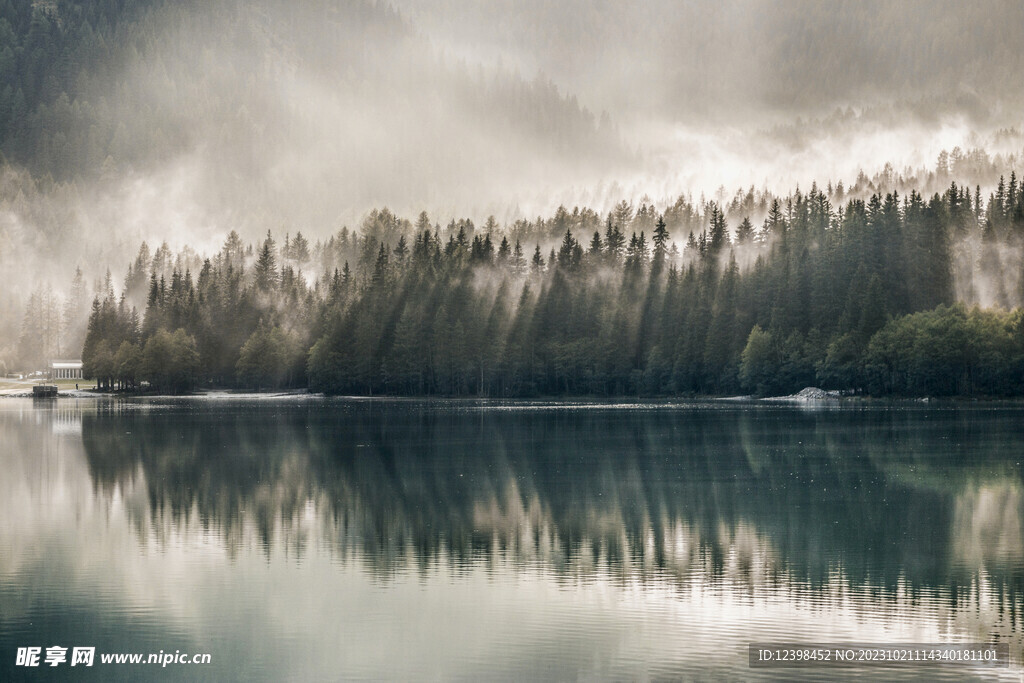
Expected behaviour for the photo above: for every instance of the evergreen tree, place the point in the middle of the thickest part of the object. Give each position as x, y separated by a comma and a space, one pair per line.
745, 232
265, 270
538, 261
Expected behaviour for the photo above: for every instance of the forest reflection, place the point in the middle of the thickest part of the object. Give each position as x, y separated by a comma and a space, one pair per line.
886, 498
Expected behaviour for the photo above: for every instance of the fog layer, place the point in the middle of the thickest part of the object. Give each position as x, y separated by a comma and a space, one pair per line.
182, 121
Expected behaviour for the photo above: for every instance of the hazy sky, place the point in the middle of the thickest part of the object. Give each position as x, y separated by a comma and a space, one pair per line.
305, 115
467, 108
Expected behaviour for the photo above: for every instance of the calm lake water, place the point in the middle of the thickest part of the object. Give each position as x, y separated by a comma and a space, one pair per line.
315, 539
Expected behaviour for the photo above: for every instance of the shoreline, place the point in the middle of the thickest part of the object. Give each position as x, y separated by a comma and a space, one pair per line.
803, 398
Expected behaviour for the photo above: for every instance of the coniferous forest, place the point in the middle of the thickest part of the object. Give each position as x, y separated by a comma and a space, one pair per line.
861, 298
520, 339
121, 119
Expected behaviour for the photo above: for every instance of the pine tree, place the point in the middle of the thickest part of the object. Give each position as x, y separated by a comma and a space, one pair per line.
300, 248
538, 261
745, 232
569, 252
660, 240
401, 252
265, 271
518, 261
776, 222
614, 241
504, 250
719, 350
718, 233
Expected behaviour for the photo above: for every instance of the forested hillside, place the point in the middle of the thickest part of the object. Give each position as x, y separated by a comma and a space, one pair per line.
738, 58
124, 120
88, 88
277, 122
859, 298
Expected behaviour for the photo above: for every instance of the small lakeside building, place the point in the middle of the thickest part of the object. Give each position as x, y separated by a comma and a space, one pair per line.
66, 369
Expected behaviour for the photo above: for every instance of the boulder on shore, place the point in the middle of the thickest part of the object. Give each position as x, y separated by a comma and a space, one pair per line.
808, 394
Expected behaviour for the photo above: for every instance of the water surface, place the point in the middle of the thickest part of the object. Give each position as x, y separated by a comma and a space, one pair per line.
316, 539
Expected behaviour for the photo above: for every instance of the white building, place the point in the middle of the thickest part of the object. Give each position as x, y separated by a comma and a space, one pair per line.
66, 369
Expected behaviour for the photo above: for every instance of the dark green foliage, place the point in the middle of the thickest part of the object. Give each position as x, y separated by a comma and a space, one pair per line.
270, 358
51, 55
948, 351
759, 361
127, 368
237, 328
170, 362
266, 266
856, 299
814, 308
110, 325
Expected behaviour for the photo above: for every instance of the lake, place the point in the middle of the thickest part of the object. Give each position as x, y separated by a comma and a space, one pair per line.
327, 539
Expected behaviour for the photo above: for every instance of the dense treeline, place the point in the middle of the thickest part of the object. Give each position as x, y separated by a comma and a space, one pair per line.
753, 55
269, 113
859, 298
72, 71
68, 68
54, 58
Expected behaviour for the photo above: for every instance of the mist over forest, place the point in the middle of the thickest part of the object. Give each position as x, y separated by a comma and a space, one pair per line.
204, 128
